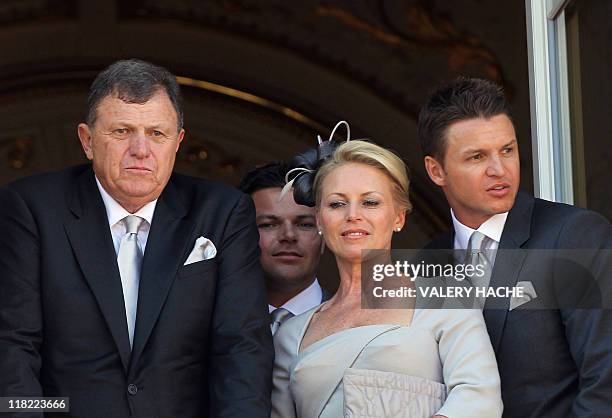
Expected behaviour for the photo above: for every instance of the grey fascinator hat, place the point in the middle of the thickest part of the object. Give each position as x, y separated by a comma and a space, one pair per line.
303, 168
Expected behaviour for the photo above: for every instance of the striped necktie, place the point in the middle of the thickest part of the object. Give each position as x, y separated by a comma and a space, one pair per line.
279, 315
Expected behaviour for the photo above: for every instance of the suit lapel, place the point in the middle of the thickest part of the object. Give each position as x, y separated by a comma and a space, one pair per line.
166, 247
91, 240
508, 264
446, 241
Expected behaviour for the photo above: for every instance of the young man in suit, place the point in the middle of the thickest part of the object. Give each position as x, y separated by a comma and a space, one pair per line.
553, 362
290, 244
131, 290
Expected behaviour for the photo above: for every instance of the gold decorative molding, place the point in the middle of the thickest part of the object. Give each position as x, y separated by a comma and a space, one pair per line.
427, 32
251, 98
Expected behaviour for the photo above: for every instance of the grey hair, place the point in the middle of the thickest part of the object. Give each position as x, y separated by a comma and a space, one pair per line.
133, 81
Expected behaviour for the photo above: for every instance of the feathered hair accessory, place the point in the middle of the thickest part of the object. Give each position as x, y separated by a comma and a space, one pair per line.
304, 168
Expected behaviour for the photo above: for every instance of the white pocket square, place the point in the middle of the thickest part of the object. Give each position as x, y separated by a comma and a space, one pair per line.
529, 293
203, 249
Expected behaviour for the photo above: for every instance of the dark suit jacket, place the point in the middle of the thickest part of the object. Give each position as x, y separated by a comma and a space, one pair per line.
202, 344
552, 362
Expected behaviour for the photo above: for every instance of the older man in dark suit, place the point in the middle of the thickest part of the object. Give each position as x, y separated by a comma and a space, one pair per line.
131, 290
554, 362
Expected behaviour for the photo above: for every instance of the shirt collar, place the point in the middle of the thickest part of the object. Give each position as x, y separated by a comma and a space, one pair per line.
303, 301
115, 212
492, 228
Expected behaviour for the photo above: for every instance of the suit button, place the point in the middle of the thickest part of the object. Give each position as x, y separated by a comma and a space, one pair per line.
132, 389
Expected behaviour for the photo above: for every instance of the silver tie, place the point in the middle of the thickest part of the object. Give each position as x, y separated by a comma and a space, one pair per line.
129, 259
476, 255
279, 315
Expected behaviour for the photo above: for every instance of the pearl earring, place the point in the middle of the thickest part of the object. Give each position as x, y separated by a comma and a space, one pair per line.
398, 229
320, 232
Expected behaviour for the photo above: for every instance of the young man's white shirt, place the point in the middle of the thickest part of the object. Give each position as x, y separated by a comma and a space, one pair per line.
492, 228
303, 301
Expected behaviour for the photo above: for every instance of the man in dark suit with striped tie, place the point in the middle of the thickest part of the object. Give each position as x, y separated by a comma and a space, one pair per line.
554, 362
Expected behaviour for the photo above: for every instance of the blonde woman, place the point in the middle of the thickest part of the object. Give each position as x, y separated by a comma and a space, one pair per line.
341, 360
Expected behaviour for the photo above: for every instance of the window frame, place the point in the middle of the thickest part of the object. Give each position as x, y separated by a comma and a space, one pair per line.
549, 100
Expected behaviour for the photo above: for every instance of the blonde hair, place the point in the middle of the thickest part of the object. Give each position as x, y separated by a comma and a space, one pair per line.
363, 152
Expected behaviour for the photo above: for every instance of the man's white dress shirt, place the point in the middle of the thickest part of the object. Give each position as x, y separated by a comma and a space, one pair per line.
492, 228
303, 301
115, 213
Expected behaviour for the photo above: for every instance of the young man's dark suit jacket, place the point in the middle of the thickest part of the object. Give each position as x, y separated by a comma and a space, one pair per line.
552, 363
202, 344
